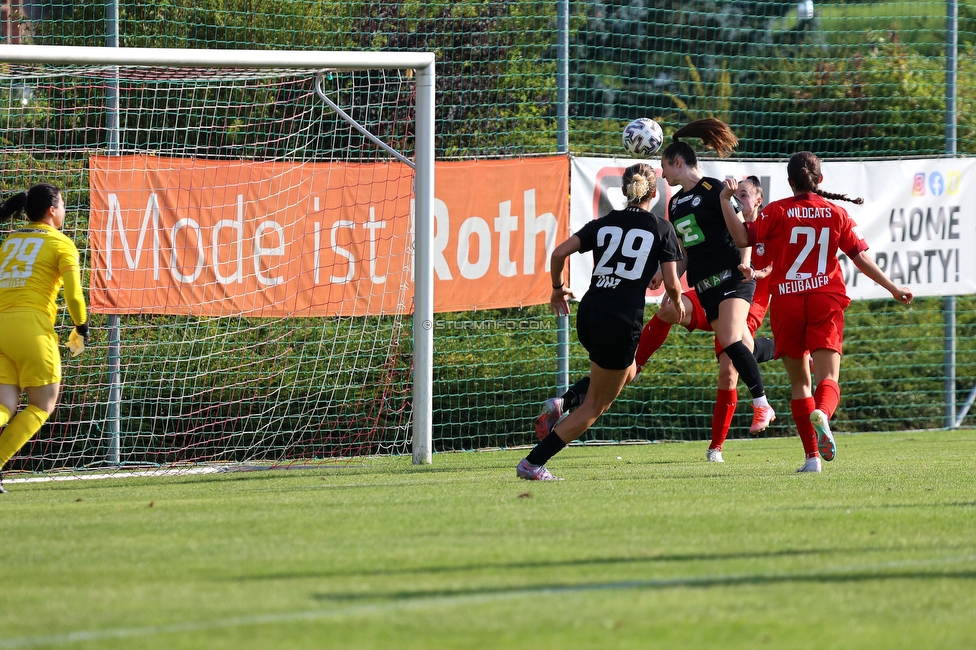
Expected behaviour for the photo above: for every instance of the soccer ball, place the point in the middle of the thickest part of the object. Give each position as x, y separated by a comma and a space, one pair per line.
643, 136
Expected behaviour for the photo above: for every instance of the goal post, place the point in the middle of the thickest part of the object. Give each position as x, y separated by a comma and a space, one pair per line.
313, 154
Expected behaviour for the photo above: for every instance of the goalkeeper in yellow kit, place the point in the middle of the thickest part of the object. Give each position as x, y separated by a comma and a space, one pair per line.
35, 261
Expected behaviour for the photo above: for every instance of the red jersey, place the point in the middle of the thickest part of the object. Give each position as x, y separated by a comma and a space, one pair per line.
801, 236
760, 299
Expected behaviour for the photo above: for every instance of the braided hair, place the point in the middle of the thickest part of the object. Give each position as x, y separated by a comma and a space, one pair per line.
714, 134
804, 171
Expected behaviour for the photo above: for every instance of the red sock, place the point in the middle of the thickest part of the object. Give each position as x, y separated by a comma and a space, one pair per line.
652, 337
801, 410
722, 414
827, 396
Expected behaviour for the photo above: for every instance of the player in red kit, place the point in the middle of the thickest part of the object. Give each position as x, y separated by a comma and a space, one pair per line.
801, 237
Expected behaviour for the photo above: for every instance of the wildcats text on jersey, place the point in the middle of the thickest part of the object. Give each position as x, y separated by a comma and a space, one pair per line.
807, 212
806, 284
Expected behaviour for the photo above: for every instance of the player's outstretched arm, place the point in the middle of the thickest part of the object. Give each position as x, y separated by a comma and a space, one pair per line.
74, 299
559, 299
733, 219
673, 287
869, 267
679, 266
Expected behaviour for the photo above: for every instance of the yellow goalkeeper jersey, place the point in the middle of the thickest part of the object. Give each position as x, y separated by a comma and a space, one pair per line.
34, 262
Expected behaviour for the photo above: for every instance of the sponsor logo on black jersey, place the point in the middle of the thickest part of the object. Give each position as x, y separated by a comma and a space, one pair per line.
607, 282
687, 197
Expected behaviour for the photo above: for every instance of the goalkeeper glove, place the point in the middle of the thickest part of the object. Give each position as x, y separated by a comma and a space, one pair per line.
77, 339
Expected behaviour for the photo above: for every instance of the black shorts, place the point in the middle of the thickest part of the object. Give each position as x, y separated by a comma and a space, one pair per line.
735, 287
610, 339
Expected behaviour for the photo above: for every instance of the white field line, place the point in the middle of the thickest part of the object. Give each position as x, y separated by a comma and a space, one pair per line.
176, 471
85, 476
450, 601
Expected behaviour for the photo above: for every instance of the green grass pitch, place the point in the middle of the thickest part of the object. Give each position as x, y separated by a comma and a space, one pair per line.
642, 546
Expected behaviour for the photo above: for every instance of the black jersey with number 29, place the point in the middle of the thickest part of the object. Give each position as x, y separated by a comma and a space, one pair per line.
628, 245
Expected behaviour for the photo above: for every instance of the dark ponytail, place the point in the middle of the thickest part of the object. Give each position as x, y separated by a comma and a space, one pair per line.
35, 202
714, 134
12, 206
804, 171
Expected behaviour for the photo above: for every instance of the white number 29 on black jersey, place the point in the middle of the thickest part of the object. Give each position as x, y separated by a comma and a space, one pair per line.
625, 260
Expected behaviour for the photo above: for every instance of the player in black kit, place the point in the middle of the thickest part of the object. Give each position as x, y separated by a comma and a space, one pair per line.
712, 259
628, 245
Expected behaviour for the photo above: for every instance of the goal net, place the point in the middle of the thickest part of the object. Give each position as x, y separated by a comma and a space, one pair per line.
247, 225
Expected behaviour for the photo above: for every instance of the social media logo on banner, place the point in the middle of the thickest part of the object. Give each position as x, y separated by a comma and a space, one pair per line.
936, 183
918, 188
955, 182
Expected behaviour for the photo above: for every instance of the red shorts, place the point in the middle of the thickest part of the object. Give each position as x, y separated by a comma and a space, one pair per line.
699, 322
760, 303
804, 322
698, 319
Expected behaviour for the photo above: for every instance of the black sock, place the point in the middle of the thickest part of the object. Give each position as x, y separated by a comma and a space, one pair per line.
748, 369
549, 447
576, 393
763, 349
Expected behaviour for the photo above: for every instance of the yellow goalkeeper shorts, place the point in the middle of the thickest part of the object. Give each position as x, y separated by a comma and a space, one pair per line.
29, 353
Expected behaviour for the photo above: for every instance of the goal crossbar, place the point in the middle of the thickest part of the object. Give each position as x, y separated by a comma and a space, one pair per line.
189, 58
422, 63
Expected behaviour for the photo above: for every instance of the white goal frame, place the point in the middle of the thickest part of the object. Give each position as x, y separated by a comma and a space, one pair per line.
421, 63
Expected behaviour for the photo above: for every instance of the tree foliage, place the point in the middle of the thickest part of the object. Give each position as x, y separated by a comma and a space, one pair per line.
777, 76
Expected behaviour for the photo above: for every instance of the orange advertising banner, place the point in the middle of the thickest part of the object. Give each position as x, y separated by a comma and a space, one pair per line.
220, 238
495, 225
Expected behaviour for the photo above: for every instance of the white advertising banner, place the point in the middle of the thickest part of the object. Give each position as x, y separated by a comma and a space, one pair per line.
918, 216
